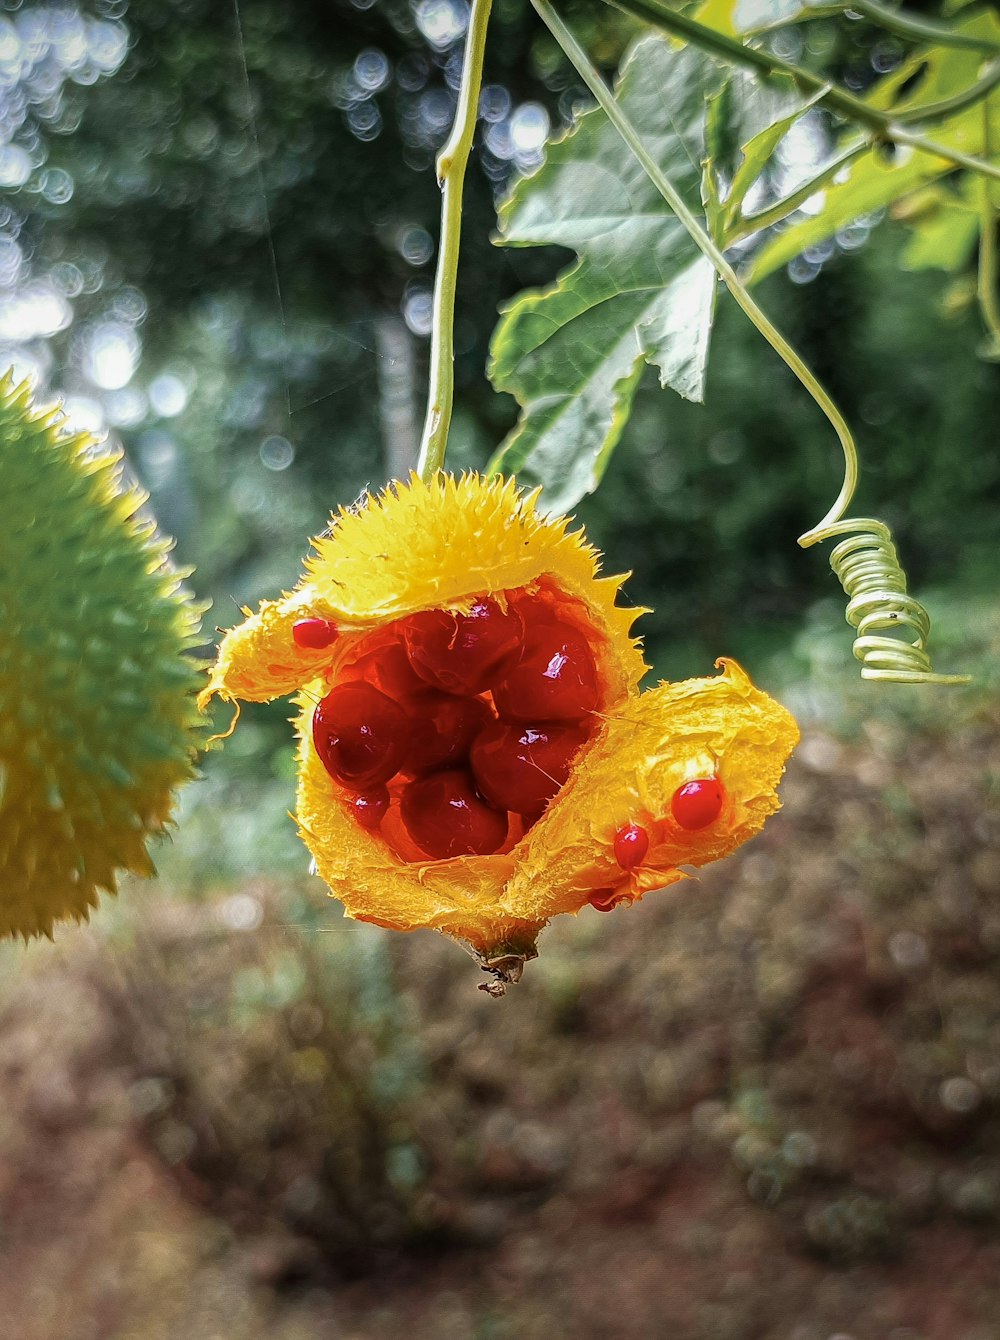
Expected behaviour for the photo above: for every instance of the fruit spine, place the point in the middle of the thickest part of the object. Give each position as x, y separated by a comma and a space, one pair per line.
97, 714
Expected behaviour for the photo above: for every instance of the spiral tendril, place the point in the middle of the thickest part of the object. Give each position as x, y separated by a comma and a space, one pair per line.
879, 605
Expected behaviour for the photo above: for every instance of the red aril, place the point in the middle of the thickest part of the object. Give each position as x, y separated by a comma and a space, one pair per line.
314, 634
535, 609
520, 768
463, 653
631, 845
698, 803
555, 679
369, 808
360, 735
387, 666
442, 729
445, 817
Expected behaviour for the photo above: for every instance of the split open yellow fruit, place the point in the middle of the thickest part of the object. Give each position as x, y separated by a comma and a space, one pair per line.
459, 546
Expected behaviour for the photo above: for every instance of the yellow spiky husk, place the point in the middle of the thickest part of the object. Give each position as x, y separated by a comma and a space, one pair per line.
97, 713
416, 546
440, 544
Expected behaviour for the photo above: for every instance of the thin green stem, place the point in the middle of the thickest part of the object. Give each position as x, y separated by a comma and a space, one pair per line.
989, 300
916, 28
752, 223
451, 166
945, 107
901, 136
660, 15
581, 62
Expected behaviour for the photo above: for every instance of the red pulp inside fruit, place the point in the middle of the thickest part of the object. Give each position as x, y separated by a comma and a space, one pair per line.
443, 728
606, 900
369, 808
410, 729
360, 735
446, 817
698, 803
555, 679
463, 653
521, 768
388, 668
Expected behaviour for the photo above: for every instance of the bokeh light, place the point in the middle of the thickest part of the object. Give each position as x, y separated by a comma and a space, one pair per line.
112, 355
442, 22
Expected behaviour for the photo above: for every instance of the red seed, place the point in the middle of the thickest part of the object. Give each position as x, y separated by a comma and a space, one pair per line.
389, 669
463, 653
360, 735
443, 728
555, 679
445, 817
314, 634
369, 808
698, 803
631, 845
521, 768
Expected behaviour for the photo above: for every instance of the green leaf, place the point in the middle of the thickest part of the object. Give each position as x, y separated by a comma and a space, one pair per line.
736, 18
875, 182
640, 291
747, 120
935, 73
945, 226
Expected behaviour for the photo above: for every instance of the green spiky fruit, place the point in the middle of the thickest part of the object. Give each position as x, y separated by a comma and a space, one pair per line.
97, 716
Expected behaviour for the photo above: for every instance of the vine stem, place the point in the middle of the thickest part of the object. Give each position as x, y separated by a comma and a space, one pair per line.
581, 62
452, 162
989, 304
916, 28
912, 27
752, 223
945, 107
850, 108
900, 135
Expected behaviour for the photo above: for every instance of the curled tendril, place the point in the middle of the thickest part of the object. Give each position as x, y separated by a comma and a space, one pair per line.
879, 606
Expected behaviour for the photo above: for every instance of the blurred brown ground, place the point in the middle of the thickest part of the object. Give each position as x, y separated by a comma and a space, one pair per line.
760, 1106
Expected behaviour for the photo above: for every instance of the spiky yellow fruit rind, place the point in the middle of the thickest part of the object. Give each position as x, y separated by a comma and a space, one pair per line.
438, 545
97, 711
414, 547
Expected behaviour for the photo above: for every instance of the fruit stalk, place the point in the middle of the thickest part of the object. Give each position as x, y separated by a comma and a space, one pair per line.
451, 166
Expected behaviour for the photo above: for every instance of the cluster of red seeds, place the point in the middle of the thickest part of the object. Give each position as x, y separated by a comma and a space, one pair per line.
457, 729
694, 805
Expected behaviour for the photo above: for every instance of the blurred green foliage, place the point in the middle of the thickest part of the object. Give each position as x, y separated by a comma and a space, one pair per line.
249, 198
